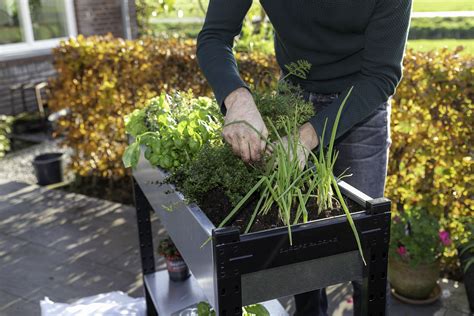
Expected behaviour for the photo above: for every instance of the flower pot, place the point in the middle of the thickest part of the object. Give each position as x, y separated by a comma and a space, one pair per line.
414, 282
177, 269
48, 168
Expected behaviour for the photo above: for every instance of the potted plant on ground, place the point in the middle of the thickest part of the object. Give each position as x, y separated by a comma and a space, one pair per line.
177, 268
416, 245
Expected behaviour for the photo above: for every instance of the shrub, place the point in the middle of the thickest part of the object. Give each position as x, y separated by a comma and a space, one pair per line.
431, 28
431, 158
102, 78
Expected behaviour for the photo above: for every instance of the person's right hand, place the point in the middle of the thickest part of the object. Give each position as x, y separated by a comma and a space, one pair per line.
245, 141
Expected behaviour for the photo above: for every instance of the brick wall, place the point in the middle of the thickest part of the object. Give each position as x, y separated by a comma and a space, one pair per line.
103, 16
22, 71
92, 17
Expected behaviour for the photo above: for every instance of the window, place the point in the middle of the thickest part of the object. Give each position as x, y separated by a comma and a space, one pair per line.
10, 30
29, 26
48, 18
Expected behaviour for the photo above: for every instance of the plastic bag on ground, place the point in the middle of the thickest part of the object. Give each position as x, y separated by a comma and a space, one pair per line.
107, 304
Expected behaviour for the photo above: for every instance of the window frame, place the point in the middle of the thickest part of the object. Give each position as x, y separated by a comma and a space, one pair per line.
31, 47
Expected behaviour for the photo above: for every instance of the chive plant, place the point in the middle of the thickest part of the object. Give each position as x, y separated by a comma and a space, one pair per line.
285, 187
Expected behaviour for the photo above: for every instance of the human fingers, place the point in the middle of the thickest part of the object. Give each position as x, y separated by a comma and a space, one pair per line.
263, 139
245, 148
255, 147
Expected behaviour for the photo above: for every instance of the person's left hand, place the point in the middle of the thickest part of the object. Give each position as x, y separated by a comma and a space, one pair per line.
308, 140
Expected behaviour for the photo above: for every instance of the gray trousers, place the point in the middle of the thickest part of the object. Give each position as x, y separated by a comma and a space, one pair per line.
363, 151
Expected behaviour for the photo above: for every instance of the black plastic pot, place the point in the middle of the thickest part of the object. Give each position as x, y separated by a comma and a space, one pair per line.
177, 269
48, 168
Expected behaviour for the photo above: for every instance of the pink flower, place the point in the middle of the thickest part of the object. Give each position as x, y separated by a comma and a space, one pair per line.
444, 236
402, 251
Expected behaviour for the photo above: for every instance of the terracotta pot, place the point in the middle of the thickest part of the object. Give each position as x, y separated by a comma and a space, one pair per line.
177, 268
413, 282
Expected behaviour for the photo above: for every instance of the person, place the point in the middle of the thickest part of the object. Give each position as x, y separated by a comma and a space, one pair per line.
349, 43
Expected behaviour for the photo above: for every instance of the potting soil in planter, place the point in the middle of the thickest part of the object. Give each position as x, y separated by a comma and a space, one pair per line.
217, 206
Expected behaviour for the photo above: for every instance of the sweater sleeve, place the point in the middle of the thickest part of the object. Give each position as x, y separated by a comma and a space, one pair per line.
381, 71
214, 45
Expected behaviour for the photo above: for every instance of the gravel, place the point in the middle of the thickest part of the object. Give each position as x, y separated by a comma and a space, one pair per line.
17, 166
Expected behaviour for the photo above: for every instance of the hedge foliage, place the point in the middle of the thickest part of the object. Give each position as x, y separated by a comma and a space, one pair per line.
5, 130
431, 159
436, 28
102, 78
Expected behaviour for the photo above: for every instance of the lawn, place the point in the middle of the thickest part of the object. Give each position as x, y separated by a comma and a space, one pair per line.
443, 5
425, 45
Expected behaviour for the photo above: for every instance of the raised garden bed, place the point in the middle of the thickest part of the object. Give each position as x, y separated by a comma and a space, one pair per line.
235, 269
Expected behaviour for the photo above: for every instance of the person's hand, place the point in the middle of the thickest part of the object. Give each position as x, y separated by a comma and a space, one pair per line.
308, 140
245, 141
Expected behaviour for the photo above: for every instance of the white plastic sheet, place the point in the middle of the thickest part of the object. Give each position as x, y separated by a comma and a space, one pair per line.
107, 304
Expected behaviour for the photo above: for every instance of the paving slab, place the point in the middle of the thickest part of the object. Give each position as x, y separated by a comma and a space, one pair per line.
66, 246
14, 305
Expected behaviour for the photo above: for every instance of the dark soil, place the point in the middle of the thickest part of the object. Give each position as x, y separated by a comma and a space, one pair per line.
216, 206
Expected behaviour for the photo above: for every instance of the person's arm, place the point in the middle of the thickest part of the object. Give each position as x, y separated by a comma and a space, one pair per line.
214, 51
223, 22
385, 40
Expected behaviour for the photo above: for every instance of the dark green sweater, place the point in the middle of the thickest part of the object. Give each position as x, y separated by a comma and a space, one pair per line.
356, 43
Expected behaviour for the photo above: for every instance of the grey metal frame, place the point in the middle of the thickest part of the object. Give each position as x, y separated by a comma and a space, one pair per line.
189, 228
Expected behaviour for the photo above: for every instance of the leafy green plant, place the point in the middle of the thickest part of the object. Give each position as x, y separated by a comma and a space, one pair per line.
417, 237
167, 249
215, 168
204, 309
276, 106
299, 68
172, 128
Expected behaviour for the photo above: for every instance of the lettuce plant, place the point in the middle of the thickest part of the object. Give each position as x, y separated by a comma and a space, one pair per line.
172, 128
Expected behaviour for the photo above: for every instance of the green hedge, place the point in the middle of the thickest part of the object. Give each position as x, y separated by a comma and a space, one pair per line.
436, 28
103, 78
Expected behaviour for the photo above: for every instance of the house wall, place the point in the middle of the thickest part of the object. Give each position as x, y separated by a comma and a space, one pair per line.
22, 71
93, 17
102, 17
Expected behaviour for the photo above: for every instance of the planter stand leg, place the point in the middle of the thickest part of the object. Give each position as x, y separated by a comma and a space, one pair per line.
228, 277
145, 238
376, 244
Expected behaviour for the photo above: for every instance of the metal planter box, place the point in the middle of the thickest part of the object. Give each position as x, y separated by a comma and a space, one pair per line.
235, 270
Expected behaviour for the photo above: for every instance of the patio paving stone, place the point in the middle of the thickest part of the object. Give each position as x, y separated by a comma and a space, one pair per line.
66, 246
